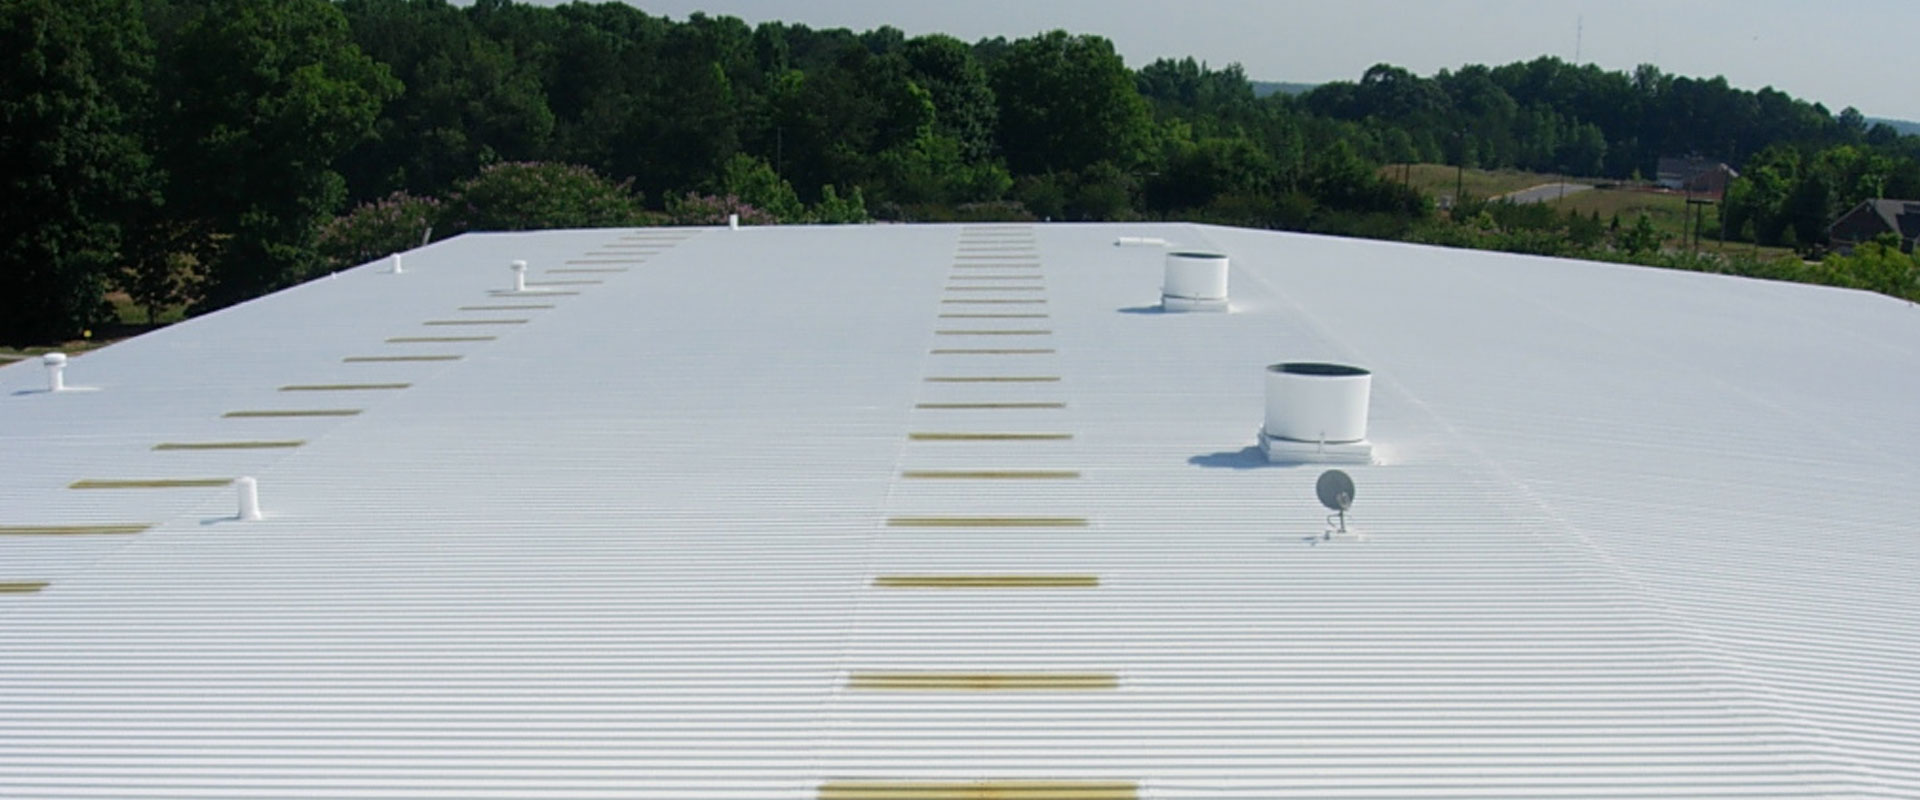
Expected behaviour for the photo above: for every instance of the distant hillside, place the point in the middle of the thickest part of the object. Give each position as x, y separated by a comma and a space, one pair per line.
1907, 127
1267, 88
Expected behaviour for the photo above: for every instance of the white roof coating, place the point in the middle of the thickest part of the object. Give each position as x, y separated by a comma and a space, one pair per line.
667, 533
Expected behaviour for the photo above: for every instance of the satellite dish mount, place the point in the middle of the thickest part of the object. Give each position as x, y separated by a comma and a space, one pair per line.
1335, 489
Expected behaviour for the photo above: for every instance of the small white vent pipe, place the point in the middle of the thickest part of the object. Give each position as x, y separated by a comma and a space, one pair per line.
519, 276
56, 364
397, 269
249, 490
1194, 281
733, 221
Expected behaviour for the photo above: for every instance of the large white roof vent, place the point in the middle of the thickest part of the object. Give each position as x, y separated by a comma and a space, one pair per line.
1317, 413
1195, 281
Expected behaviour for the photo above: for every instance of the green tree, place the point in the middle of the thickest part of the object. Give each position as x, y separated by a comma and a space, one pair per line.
1068, 103
261, 99
468, 101
72, 89
1756, 202
1641, 239
1878, 266
963, 101
1585, 232
159, 270
1194, 173
539, 196
755, 183
842, 122
688, 114
836, 210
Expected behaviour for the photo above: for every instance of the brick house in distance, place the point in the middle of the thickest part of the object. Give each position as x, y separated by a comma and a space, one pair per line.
1874, 217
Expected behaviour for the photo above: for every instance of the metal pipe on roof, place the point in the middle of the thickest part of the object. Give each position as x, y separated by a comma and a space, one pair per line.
249, 499
56, 364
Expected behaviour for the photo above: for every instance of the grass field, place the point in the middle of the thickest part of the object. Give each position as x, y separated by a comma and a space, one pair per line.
1438, 180
9, 355
1667, 211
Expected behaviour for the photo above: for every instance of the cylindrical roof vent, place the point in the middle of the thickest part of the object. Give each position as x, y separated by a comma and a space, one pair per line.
1317, 412
56, 364
519, 275
249, 490
1195, 281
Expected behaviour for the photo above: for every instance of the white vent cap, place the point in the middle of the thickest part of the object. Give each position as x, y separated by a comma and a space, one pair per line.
56, 364
249, 491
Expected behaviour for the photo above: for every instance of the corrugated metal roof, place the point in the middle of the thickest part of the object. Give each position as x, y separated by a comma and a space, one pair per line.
725, 525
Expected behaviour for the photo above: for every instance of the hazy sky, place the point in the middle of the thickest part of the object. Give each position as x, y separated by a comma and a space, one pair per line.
1864, 54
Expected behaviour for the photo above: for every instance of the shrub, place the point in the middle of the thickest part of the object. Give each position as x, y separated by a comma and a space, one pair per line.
757, 185
538, 195
836, 210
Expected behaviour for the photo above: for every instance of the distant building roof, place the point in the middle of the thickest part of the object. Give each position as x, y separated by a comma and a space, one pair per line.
944, 512
1694, 173
1877, 216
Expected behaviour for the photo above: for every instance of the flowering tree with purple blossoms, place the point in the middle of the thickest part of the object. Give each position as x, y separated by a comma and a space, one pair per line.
397, 222
709, 209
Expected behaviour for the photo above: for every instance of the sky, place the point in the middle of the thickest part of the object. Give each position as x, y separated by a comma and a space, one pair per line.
1864, 54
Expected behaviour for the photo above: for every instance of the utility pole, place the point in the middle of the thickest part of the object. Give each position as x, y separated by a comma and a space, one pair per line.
1460, 169
1688, 209
1579, 27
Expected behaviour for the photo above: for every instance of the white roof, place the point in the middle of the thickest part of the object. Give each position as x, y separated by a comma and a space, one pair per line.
1632, 533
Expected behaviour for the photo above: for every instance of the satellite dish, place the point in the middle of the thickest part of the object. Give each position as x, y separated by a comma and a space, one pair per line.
1335, 489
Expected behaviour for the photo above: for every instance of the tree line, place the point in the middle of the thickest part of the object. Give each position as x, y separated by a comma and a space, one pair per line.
1802, 165
202, 152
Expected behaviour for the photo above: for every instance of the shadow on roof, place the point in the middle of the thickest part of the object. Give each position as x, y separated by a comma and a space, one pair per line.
1152, 309
1249, 457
